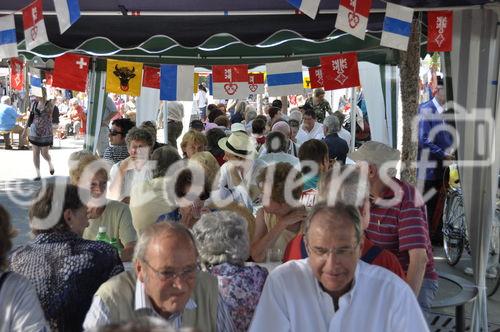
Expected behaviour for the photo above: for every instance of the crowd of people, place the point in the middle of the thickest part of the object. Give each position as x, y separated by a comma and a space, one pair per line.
194, 222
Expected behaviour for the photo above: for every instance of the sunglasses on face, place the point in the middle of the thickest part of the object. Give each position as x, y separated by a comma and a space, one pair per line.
114, 132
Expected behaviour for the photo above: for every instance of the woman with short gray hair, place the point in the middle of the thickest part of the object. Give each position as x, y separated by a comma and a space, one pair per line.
223, 245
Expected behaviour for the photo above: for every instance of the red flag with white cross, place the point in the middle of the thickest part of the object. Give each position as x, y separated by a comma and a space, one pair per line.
340, 71
16, 74
316, 77
71, 72
439, 31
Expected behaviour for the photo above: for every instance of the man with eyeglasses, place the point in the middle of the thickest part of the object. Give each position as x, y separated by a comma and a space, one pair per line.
117, 149
332, 290
166, 284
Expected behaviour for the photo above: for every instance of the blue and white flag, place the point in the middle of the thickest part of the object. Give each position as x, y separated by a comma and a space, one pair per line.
8, 41
397, 27
36, 86
284, 78
176, 82
308, 7
68, 12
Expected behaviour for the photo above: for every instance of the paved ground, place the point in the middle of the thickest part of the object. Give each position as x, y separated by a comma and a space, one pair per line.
17, 190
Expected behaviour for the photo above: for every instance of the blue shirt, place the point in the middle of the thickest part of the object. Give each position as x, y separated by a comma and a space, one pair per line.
8, 117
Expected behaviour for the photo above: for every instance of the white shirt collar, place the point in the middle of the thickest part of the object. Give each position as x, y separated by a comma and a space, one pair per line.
439, 108
142, 302
344, 300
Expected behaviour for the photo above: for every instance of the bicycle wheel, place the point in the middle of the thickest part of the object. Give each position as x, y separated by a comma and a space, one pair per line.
453, 227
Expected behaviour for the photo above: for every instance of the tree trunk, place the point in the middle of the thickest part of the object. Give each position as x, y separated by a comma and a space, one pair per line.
409, 69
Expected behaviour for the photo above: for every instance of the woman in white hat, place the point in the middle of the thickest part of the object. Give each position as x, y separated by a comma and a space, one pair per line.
238, 174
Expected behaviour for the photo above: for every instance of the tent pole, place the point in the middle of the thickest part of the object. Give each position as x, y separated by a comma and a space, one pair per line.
353, 118
165, 123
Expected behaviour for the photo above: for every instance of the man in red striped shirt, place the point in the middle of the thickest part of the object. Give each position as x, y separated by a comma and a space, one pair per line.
398, 219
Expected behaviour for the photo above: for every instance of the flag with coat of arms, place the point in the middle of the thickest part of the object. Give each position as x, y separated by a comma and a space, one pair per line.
123, 77
352, 17
397, 27
439, 31
316, 77
35, 33
71, 71
256, 83
230, 82
16, 74
340, 71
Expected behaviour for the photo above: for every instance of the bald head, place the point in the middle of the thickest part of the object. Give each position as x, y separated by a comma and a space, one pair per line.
324, 218
164, 234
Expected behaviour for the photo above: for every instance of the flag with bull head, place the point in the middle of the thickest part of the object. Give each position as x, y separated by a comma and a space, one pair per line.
124, 77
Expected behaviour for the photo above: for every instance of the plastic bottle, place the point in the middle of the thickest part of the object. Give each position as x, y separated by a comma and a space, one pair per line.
102, 235
117, 245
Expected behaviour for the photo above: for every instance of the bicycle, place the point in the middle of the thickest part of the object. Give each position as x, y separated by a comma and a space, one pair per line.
456, 236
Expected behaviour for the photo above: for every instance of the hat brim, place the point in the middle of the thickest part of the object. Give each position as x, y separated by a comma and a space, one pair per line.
356, 156
223, 145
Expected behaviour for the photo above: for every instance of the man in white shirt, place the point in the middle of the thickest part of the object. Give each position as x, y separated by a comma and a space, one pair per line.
310, 128
332, 290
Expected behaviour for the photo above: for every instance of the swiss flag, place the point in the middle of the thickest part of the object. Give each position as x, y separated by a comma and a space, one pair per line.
340, 71
316, 77
71, 71
439, 31
230, 82
151, 77
16, 74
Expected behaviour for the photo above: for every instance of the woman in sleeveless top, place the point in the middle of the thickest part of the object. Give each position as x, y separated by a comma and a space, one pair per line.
40, 132
279, 220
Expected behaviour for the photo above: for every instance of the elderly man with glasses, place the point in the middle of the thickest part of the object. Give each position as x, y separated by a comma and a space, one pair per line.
166, 284
332, 290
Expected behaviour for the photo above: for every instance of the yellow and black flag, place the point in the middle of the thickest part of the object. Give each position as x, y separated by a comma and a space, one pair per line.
124, 77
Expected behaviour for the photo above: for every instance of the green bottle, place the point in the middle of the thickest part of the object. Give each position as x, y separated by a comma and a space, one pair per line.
102, 235
117, 245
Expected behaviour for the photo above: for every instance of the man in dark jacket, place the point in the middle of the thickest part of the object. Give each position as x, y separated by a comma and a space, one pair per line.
432, 151
337, 147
